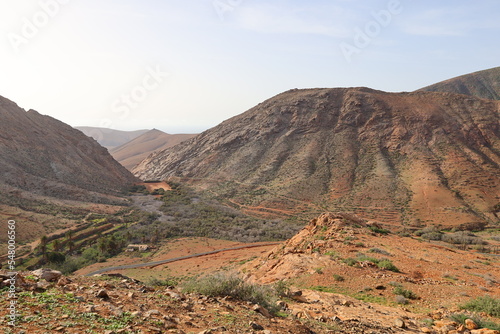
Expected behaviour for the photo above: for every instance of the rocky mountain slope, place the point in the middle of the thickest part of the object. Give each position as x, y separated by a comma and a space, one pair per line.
484, 84
118, 304
343, 253
411, 158
41, 155
340, 274
110, 138
136, 150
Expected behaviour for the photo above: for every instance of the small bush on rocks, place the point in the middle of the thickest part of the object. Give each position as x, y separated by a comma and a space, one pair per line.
222, 285
401, 300
486, 304
405, 293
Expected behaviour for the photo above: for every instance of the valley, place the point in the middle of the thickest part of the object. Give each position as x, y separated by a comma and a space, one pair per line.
325, 210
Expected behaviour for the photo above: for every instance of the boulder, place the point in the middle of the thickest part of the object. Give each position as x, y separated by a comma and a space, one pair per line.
484, 331
47, 274
259, 309
102, 294
399, 323
470, 324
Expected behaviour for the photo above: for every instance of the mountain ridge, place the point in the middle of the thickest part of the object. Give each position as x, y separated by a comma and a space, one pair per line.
48, 157
110, 138
350, 148
484, 84
136, 150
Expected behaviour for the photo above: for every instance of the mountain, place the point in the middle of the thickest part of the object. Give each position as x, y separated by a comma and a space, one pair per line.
484, 84
136, 150
403, 158
110, 138
41, 155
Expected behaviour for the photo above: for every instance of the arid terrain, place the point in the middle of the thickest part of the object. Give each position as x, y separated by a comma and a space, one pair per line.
110, 138
345, 210
139, 148
484, 84
421, 158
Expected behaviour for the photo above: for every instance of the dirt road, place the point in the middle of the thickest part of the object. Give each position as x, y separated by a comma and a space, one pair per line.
156, 263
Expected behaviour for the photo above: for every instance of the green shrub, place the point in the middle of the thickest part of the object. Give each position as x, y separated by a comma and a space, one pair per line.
378, 230
56, 257
331, 254
401, 300
282, 288
463, 238
387, 265
379, 251
486, 304
436, 236
405, 293
364, 258
381, 263
461, 317
338, 278
170, 281
350, 261
221, 285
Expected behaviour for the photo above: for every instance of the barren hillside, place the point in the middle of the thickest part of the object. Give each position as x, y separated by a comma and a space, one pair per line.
410, 158
484, 84
136, 150
44, 156
110, 138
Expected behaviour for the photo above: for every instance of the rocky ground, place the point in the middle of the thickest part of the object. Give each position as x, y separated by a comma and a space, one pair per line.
48, 302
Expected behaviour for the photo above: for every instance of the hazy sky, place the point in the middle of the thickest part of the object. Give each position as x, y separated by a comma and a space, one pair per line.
187, 65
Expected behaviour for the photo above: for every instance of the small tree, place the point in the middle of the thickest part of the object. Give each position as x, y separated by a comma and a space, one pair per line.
71, 246
56, 245
43, 246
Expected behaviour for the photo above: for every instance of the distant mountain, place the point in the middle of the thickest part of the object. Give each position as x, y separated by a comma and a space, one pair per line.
110, 138
484, 84
402, 158
41, 155
136, 150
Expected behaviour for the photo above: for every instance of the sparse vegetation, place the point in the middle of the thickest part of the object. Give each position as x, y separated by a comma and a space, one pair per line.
378, 230
189, 213
379, 251
399, 299
486, 304
463, 238
338, 278
380, 263
169, 281
482, 323
387, 265
282, 288
223, 284
319, 271
400, 291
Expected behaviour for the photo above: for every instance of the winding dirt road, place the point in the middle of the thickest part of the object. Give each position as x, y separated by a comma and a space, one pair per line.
157, 263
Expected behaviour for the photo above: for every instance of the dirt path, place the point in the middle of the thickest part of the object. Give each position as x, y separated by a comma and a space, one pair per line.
157, 263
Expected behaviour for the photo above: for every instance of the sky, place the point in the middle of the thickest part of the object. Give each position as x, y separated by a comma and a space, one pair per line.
183, 66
